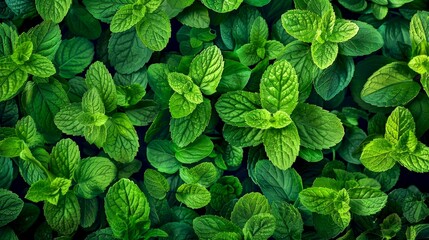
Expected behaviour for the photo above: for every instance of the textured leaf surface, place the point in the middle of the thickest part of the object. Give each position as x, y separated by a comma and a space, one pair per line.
53, 10
155, 30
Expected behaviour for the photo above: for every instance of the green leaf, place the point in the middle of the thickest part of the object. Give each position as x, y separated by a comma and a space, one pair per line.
73, 56
22, 52
366, 201
81, 23
6, 172
276, 184
195, 151
126, 52
49, 191
318, 129
282, 145
399, 122
204, 174
161, 155
88, 211
26, 130
377, 155
11, 80
46, 38
180, 82
93, 176
332, 80
180, 107
385, 87
185, 130
417, 161
419, 64
233, 106
415, 211
260, 226
125, 18
366, 41
193, 195
105, 9
65, 216
391, 225
39, 66
248, 54
196, 16
247, 206
65, 157
258, 118
66, 120
259, 32
154, 30
99, 77
343, 31
319, 199
53, 10
11, 147
354, 5
419, 34
302, 24
207, 226
92, 105
243, 136
289, 224
122, 141
222, 6
8, 39
10, 206
206, 69
127, 210
156, 184
324, 54
279, 88
42, 101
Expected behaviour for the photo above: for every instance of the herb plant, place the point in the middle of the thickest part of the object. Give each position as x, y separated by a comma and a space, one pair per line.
203, 119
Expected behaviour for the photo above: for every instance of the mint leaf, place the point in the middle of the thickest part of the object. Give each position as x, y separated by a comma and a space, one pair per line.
243, 136
258, 118
39, 66
93, 176
222, 6
318, 129
122, 140
279, 88
319, 199
161, 155
206, 69
206, 227
260, 226
125, 18
399, 123
10, 206
11, 80
185, 130
155, 30
66, 120
377, 155
73, 56
180, 107
417, 161
65, 157
301, 24
46, 38
64, 217
366, 201
277, 184
324, 54
247, 206
127, 210
289, 222
204, 174
282, 145
99, 77
343, 31
49, 191
53, 10
195, 151
126, 52
233, 106
384, 87
193, 195
156, 184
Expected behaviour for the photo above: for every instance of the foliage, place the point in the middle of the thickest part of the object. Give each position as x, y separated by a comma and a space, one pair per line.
214, 119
